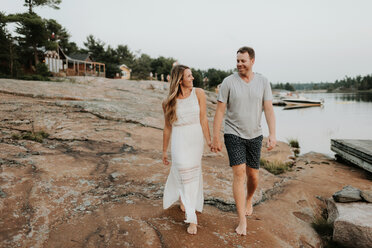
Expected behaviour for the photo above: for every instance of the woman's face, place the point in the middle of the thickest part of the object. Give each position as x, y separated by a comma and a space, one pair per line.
187, 79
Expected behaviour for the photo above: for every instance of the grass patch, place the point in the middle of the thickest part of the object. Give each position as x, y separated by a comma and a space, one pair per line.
324, 229
34, 136
321, 226
275, 167
296, 152
293, 143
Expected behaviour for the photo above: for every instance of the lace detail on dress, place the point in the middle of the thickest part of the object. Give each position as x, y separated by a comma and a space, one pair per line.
190, 174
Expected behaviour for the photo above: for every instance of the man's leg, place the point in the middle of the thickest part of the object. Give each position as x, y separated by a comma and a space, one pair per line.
239, 196
252, 183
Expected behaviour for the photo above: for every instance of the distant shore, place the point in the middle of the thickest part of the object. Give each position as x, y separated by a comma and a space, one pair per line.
334, 91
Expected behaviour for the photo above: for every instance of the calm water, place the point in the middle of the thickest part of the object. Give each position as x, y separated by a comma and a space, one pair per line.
343, 116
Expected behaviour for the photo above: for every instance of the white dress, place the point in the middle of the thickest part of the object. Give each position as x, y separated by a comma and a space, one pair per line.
187, 143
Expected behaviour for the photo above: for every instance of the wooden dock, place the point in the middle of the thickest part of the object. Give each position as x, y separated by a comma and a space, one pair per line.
358, 152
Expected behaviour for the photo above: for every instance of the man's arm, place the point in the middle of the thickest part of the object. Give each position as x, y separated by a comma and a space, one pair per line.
270, 119
218, 117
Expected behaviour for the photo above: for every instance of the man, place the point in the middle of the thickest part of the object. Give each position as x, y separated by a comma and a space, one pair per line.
245, 94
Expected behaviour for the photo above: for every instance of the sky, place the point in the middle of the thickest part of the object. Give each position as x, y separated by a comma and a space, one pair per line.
296, 41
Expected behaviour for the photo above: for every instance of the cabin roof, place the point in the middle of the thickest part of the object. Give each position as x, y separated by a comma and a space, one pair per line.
80, 56
124, 65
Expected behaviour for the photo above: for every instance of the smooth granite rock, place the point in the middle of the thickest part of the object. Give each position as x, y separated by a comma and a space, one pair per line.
347, 194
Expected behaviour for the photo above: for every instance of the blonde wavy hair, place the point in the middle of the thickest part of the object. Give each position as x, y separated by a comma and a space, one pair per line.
169, 104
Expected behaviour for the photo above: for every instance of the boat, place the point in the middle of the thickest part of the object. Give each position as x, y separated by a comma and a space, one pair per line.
302, 101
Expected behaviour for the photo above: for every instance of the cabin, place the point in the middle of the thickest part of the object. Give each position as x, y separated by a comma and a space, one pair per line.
125, 71
74, 65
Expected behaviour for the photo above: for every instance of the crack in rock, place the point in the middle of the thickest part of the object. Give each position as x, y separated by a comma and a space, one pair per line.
158, 233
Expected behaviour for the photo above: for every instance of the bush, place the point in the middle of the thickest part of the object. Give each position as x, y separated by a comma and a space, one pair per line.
294, 143
42, 70
34, 77
34, 136
4, 75
275, 167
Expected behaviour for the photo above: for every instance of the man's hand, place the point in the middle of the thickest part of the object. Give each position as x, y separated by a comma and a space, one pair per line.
165, 158
216, 145
271, 142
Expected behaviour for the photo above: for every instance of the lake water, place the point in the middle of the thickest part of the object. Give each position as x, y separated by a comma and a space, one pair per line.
343, 116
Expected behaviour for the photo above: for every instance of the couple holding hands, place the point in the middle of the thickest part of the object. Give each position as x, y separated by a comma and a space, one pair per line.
243, 96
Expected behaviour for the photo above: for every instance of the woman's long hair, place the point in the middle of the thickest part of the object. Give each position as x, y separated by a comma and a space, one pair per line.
169, 104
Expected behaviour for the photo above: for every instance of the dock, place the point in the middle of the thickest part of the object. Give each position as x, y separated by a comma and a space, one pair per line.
358, 152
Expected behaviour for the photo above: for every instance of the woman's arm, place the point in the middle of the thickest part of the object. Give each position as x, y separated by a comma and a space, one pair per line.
203, 115
167, 131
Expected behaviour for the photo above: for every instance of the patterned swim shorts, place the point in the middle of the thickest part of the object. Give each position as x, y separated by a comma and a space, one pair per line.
243, 151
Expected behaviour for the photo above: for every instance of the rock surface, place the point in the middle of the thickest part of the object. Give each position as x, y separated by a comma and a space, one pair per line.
366, 195
353, 223
98, 179
347, 194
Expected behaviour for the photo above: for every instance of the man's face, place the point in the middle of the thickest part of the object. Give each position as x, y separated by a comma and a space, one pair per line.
244, 63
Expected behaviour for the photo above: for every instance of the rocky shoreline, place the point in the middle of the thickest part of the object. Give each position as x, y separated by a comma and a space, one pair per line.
97, 179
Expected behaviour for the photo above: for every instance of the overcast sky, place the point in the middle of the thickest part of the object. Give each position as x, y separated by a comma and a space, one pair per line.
294, 40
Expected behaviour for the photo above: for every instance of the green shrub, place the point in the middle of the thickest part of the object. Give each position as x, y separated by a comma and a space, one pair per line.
33, 77
42, 70
293, 143
296, 152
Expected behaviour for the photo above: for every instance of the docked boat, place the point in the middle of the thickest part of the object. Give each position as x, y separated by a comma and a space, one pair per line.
302, 101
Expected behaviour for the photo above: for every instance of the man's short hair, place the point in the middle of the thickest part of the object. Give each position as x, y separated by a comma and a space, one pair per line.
248, 50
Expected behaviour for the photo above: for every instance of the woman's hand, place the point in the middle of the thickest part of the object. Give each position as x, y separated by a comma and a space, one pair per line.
209, 143
165, 158
216, 145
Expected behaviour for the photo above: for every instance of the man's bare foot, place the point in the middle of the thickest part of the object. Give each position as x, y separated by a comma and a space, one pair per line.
192, 229
182, 207
249, 209
242, 228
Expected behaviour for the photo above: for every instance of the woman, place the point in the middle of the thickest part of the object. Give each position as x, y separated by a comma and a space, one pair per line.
186, 119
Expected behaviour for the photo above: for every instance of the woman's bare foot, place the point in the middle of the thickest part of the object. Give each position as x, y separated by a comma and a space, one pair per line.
182, 207
249, 209
242, 228
192, 229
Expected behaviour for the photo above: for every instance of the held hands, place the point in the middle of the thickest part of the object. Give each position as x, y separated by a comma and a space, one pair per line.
271, 142
165, 158
216, 145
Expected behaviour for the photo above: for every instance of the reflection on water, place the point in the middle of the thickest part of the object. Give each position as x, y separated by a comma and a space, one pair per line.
289, 107
357, 97
343, 116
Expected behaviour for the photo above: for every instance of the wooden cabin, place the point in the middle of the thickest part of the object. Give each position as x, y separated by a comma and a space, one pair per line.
125, 72
74, 65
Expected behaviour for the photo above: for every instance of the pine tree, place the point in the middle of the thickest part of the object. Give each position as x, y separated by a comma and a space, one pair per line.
37, 3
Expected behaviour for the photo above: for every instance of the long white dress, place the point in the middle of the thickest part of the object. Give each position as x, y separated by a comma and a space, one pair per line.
185, 177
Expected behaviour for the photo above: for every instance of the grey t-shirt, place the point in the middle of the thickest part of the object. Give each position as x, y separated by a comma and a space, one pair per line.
244, 104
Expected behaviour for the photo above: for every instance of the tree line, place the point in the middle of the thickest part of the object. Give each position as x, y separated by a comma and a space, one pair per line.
346, 84
21, 54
